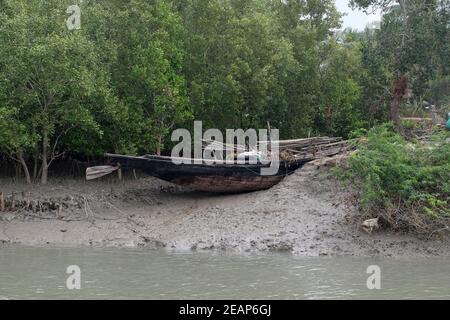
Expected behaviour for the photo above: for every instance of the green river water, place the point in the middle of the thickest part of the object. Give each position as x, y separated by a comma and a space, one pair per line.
40, 273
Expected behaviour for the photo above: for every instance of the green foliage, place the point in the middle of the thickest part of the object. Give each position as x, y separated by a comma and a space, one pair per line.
413, 38
411, 176
340, 90
358, 133
13, 134
50, 77
410, 124
146, 38
137, 69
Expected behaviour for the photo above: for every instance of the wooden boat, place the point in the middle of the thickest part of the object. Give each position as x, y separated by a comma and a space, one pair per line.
210, 177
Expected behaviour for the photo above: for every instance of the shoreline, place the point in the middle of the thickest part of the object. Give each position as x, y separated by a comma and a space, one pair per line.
306, 214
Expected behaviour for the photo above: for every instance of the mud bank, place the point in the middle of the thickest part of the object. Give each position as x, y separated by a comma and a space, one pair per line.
308, 214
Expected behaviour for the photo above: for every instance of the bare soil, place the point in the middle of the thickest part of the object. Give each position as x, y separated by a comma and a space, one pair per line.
308, 213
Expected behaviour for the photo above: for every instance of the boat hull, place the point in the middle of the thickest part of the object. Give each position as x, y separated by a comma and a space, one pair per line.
220, 184
209, 177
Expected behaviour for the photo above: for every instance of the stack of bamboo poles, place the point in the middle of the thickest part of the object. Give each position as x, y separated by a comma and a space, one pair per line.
312, 148
216, 145
308, 149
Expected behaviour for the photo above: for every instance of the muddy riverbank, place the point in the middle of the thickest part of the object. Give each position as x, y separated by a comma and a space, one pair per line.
307, 214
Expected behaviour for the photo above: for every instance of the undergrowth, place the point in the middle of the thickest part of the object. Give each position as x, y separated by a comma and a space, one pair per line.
404, 183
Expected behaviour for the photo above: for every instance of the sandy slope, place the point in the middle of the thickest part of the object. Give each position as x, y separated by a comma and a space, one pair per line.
306, 214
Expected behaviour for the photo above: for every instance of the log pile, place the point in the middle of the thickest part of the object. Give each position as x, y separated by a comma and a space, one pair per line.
308, 149
313, 148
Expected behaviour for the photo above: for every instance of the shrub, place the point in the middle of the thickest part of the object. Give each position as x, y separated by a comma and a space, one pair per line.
406, 184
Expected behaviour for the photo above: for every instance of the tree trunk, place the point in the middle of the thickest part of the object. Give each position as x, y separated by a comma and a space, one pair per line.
158, 147
45, 142
24, 166
395, 115
36, 164
399, 92
17, 167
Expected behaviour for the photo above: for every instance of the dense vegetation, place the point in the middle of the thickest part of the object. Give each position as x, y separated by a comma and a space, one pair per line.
406, 183
136, 69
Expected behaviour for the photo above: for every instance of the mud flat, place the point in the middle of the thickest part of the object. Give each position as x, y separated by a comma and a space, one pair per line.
308, 214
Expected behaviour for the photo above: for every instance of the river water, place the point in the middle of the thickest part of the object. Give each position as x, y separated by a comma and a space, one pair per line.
40, 273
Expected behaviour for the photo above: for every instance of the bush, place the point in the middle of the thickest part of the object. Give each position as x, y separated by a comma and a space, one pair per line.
406, 184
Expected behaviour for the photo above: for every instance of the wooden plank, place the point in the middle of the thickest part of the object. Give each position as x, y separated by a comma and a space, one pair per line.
99, 171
